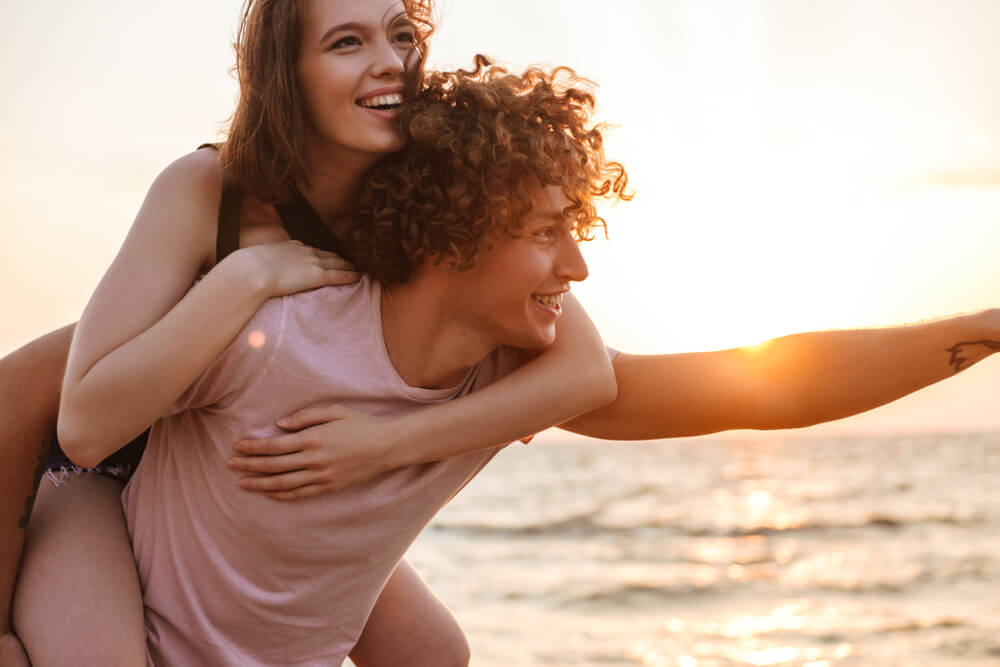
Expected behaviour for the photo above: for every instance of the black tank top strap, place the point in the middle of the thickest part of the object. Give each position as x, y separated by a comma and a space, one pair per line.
298, 217
227, 237
303, 223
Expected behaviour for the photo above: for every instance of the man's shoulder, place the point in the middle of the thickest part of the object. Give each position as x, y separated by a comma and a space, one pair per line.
357, 294
326, 315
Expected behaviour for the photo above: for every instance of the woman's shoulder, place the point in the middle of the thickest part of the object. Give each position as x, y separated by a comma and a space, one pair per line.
198, 170
181, 208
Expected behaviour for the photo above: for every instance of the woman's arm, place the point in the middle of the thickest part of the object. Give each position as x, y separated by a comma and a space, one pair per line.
338, 447
569, 378
145, 337
788, 382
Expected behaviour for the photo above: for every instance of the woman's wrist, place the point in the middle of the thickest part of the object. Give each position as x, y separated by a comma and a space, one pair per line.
243, 273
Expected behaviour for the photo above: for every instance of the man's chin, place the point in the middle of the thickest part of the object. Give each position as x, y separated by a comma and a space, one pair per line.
539, 339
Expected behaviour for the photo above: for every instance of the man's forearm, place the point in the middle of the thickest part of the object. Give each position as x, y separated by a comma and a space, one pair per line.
817, 377
788, 382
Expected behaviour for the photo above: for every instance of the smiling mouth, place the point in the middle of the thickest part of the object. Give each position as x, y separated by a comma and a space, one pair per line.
553, 301
382, 102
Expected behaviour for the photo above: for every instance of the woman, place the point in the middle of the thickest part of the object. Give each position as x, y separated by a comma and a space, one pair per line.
316, 92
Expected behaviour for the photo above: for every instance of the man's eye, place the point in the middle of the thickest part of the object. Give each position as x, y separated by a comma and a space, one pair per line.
546, 233
406, 36
345, 42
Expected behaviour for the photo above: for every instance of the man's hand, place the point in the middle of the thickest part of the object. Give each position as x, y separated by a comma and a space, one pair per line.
328, 447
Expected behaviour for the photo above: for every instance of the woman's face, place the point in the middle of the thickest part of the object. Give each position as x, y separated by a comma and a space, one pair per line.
351, 72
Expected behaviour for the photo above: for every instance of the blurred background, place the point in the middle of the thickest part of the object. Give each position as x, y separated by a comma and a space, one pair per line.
797, 165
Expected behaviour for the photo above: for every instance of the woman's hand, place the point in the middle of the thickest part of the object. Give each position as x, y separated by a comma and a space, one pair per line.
286, 267
329, 447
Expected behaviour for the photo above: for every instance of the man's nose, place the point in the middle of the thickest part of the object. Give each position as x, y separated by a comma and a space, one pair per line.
571, 265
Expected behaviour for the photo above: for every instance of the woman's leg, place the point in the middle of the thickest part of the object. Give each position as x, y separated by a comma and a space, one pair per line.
78, 600
30, 379
410, 626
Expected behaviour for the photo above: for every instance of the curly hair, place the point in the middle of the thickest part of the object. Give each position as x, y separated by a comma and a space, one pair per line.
479, 146
264, 152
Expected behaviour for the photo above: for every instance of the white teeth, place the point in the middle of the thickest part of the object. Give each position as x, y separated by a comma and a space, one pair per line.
550, 300
382, 101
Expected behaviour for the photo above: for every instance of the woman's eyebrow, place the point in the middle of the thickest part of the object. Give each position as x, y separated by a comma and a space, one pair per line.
401, 17
353, 25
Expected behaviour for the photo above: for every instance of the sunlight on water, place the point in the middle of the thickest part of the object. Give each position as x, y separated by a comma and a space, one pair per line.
673, 554
781, 618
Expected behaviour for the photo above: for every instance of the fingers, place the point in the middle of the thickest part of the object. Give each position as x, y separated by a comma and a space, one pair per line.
269, 465
314, 415
283, 482
306, 491
283, 444
334, 270
329, 260
340, 277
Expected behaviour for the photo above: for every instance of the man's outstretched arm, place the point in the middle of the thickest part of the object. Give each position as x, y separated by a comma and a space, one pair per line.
788, 382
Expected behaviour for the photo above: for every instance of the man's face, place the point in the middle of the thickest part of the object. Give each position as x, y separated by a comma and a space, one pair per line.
514, 291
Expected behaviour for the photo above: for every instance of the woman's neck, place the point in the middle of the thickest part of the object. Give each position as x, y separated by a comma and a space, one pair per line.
335, 176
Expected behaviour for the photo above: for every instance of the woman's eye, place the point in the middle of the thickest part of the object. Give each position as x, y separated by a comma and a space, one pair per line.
406, 36
546, 233
345, 42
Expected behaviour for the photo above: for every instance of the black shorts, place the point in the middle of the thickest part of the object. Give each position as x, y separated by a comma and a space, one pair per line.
118, 466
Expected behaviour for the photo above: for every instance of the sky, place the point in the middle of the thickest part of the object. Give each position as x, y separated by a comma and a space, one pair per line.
797, 165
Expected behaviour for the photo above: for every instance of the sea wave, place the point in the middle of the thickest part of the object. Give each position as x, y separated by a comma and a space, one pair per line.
593, 524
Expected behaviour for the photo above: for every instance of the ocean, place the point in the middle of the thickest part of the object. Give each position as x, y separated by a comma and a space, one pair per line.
709, 552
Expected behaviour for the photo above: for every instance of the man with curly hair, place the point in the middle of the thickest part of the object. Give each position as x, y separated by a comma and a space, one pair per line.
470, 242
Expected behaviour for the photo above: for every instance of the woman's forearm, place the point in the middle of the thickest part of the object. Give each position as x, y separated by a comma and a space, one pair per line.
570, 377
789, 382
129, 388
29, 400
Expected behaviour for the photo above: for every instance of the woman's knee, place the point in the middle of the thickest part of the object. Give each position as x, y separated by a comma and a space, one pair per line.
31, 376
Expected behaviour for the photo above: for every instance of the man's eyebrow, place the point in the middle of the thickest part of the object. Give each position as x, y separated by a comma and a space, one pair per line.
554, 217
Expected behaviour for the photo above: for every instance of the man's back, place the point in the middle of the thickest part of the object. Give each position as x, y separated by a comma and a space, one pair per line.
233, 577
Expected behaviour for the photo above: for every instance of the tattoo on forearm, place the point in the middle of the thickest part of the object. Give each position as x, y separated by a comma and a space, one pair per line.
29, 502
960, 352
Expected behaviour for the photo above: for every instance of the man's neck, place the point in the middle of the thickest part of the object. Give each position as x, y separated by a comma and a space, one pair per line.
429, 342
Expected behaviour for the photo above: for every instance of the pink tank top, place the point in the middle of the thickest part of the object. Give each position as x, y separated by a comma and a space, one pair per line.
231, 577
